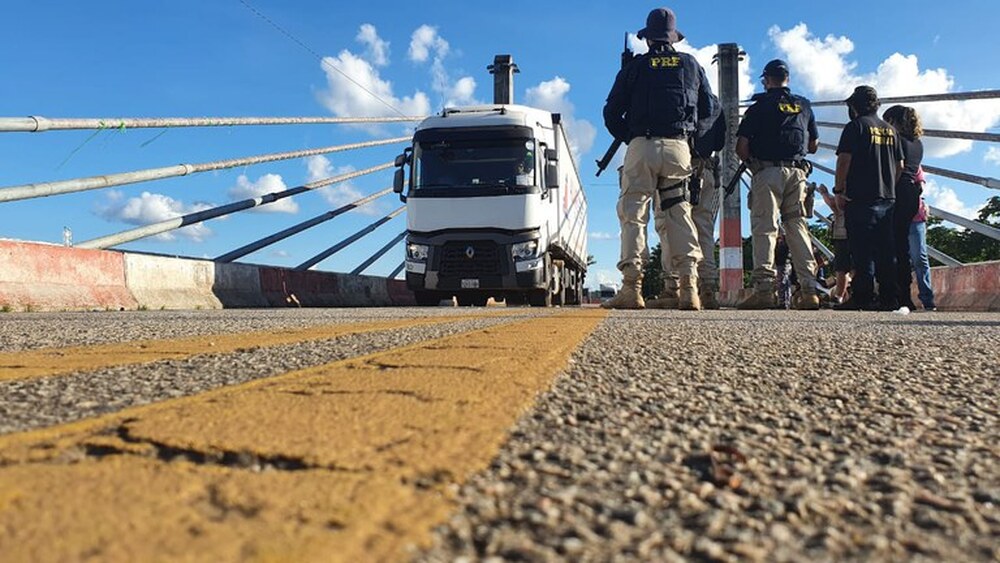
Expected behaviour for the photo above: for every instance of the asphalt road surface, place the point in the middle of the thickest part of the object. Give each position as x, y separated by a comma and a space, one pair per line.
444, 434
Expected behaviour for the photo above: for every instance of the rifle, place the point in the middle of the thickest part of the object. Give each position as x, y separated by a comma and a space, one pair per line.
627, 56
731, 186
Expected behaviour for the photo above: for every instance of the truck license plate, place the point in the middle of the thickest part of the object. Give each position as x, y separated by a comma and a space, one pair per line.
470, 284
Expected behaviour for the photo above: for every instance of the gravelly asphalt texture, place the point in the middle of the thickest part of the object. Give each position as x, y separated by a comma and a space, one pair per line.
53, 400
28, 331
768, 436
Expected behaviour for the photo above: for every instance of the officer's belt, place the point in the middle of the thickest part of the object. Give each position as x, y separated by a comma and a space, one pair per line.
649, 135
762, 164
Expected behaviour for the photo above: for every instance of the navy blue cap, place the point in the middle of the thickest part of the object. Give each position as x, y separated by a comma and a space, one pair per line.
777, 67
863, 94
661, 25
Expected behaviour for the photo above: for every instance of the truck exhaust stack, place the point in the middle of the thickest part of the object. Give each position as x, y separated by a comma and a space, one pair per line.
503, 69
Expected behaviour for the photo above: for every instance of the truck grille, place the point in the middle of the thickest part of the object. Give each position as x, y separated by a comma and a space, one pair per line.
485, 261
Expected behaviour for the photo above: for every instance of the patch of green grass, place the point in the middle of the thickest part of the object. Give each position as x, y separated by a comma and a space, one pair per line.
143, 307
6, 308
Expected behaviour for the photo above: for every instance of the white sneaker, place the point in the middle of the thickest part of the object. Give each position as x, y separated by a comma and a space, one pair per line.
902, 311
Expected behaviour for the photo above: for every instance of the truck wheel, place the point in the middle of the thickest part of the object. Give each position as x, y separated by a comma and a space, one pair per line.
540, 298
427, 298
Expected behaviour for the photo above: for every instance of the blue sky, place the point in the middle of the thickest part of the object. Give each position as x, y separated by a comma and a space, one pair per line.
194, 58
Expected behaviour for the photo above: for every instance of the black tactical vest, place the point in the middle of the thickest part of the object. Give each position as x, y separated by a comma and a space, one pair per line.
664, 94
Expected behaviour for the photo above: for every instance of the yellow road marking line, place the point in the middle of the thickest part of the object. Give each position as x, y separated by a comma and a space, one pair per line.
30, 364
344, 462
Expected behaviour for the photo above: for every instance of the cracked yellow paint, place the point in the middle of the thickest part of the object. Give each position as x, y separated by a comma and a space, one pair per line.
351, 461
30, 364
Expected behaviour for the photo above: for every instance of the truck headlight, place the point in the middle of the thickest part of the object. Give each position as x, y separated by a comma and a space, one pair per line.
417, 252
525, 250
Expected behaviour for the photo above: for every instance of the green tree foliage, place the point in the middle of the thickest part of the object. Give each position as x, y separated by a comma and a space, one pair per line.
652, 274
964, 245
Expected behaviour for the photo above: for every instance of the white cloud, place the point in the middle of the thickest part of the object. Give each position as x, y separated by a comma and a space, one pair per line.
346, 99
704, 57
551, 95
280, 254
992, 155
337, 195
822, 67
600, 235
377, 49
152, 208
943, 197
266, 184
424, 40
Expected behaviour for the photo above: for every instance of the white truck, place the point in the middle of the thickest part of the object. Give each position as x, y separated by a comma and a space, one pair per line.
494, 205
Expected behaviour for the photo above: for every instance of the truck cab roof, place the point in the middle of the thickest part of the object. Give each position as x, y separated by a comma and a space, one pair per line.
488, 116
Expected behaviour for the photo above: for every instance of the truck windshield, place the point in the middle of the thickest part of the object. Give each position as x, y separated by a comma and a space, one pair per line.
471, 164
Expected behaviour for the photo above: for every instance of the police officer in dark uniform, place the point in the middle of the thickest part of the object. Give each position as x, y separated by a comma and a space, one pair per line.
776, 133
654, 106
869, 163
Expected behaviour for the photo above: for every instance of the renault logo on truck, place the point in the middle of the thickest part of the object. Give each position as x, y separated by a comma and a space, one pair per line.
470, 252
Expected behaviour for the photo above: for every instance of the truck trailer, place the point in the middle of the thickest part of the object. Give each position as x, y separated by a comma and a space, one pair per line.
494, 205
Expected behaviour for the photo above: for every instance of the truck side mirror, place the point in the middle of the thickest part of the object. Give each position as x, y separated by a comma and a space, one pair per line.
398, 182
551, 175
400, 160
551, 155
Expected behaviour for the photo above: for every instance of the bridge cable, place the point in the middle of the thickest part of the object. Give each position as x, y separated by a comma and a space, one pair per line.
348, 241
378, 254
27, 191
222, 210
299, 227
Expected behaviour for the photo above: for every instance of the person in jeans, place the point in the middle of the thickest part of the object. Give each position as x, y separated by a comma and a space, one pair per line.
869, 163
841, 248
908, 190
918, 256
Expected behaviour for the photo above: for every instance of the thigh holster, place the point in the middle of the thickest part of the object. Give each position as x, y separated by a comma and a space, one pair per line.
674, 194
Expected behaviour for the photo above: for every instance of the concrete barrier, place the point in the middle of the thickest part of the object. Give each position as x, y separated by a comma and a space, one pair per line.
159, 282
399, 294
290, 288
238, 285
46, 277
975, 287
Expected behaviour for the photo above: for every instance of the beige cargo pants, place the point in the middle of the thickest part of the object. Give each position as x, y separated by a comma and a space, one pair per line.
780, 192
703, 215
650, 163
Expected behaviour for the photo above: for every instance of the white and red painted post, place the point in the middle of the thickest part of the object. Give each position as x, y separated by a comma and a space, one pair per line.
730, 230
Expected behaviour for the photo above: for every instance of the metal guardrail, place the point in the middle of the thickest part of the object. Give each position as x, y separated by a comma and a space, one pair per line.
38, 124
938, 133
920, 98
984, 181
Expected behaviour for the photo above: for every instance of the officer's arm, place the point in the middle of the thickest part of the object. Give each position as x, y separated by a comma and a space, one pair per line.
615, 108
813, 133
843, 166
743, 148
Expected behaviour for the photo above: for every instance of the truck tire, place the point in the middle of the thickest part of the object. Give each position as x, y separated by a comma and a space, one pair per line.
427, 298
540, 298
